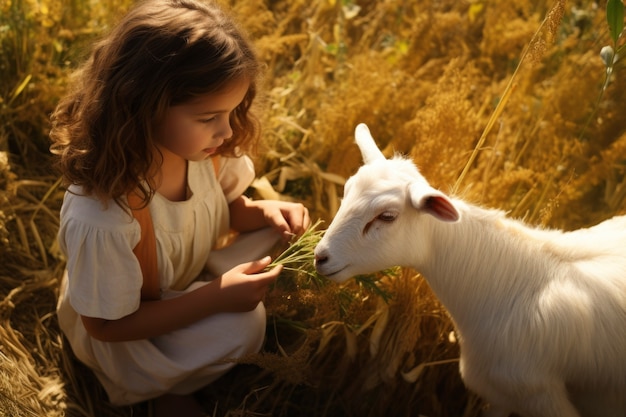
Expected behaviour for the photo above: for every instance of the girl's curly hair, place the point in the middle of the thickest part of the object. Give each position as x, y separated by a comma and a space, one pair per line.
162, 53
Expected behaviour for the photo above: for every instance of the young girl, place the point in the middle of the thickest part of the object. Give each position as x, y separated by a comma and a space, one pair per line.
170, 88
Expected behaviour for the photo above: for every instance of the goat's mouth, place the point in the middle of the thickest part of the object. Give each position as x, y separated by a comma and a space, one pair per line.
332, 275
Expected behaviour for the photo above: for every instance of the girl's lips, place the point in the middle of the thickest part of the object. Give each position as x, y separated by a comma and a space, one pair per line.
211, 151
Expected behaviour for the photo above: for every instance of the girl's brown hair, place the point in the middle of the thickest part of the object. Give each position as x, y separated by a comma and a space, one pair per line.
162, 53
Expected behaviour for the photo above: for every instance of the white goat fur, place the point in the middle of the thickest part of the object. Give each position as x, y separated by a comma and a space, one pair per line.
541, 314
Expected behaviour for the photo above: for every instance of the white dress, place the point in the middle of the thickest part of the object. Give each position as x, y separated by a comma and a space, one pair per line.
103, 279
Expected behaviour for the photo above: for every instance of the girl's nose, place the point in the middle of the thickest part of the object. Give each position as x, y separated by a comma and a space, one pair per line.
226, 131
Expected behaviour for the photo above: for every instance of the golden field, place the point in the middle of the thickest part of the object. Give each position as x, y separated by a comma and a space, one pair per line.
508, 104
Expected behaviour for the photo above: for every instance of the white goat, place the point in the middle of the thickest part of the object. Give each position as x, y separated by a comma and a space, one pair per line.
541, 314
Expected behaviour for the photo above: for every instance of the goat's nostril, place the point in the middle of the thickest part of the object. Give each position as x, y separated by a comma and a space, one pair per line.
320, 259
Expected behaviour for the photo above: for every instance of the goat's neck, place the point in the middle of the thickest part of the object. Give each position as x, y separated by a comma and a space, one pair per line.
480, 265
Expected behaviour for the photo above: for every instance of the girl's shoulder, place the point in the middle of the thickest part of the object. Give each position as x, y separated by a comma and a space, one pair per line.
220, 164
91, 211
234, 175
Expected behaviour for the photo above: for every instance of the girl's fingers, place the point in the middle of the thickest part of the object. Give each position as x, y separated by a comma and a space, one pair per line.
255, 266
271, 275
306, 220
295, 220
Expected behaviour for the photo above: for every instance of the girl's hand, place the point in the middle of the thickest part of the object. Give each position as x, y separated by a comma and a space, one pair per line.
244, 286
289, 219
240, 289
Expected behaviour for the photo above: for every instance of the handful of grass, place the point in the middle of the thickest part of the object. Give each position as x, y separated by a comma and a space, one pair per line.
299, 259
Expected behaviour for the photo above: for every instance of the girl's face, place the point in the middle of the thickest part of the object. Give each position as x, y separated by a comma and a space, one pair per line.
194, 130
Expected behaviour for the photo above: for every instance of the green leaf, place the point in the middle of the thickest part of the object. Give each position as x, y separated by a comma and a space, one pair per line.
615, 18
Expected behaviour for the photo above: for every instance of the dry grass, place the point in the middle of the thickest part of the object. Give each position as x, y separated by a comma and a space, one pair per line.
497, 101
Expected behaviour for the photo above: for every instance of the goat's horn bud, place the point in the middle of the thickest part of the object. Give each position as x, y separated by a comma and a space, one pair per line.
366, 143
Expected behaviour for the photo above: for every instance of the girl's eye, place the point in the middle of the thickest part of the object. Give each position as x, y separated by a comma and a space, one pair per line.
387, 216
207, 120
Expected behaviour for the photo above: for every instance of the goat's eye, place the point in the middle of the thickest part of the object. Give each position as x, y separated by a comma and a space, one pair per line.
387, 216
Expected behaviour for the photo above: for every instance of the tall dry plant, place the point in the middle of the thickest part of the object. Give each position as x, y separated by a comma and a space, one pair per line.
489, 99
39, 43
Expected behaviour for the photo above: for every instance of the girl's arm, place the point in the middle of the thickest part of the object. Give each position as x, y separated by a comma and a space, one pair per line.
287, 218
240, 289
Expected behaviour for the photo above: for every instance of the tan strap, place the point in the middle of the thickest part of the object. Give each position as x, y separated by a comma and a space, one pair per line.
145, 251
216, 165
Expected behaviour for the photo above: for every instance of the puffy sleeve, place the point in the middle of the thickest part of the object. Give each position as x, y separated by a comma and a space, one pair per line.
104, 276
235, 176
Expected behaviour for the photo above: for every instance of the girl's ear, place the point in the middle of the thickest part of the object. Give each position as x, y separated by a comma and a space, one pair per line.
427, 199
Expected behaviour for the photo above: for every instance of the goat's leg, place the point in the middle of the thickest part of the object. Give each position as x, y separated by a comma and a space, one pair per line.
547, 402
601, 401
541, 399
495, 411
526, 392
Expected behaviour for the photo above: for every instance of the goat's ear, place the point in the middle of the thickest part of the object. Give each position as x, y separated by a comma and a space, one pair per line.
365, 141
427, 199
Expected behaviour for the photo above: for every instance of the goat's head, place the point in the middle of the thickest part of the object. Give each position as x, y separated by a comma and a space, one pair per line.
378, 215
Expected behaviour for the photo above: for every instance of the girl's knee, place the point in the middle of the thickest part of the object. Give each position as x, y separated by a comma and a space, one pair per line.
255, 324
